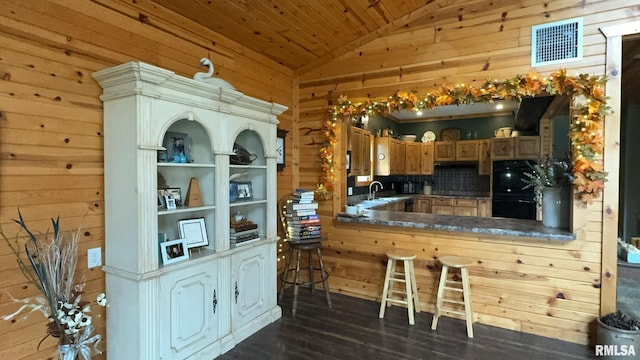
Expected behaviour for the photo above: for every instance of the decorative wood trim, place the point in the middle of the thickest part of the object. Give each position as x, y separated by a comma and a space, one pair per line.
611, 193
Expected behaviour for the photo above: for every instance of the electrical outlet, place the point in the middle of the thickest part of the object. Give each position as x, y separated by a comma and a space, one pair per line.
94, 257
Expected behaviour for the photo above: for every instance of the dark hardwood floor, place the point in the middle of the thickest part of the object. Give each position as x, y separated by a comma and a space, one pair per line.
352, 330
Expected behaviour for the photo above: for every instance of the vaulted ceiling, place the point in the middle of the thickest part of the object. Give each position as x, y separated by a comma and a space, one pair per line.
302, 34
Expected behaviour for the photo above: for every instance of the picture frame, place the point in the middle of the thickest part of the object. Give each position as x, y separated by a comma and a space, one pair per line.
176, 194
194, 232
240, 191
178, 147
173, 251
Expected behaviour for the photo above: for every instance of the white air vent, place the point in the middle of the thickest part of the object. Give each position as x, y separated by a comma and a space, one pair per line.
556, 42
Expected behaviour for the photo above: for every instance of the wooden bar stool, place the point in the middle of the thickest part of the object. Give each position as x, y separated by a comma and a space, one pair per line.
408, 277
459, 286
310, 281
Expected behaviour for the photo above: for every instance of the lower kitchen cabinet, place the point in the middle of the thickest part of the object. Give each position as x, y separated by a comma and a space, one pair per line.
442, 206
465, 207
484, 207
190, 308
422, 205
460, 206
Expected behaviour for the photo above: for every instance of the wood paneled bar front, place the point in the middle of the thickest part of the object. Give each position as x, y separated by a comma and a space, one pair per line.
525, 277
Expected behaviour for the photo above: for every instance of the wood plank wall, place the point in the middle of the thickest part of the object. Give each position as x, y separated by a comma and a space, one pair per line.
51, 148
468, 47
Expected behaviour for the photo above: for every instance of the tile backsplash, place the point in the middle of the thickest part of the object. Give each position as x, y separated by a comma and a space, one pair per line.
464, 179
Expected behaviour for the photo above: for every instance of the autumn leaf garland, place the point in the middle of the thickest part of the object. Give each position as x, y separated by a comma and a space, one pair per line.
586, 129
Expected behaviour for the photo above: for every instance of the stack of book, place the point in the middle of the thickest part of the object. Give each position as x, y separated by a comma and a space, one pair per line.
303, 224
244, 231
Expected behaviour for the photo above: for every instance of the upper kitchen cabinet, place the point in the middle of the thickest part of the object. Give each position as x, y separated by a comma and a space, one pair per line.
484, 157
360, 152
213, 150
412, 158
519, 147
467, 150
427, 158
445, 151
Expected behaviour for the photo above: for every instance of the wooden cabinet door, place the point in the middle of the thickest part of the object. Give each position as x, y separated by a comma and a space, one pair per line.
527, 147
484, 207
383, 156
366, 153
426, 158
467, 150
398, 157
442, 206
465, 211
445, 151
252, 274
190, 305
412, 158
442, 210
484, 157
423, 206
356, 151
465, 207
502, 148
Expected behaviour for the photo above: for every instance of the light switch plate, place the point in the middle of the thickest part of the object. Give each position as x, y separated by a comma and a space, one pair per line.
349, 190
94, 257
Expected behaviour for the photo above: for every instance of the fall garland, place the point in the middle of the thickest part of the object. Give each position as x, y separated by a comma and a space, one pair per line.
586, 129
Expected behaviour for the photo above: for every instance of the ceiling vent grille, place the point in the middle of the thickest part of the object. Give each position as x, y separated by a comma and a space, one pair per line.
556, 42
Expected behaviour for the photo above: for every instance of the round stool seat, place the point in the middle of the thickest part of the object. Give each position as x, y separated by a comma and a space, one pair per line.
455, 261
303, 246
400, 254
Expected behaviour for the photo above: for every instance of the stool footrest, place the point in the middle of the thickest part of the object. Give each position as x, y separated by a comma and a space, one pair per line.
453, 311
404, 302
452, 288
453, 301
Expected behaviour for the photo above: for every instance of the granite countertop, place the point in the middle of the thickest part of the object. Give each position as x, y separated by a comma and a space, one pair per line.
527, 229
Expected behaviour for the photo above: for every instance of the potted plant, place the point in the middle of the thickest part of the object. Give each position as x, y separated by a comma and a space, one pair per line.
618, 335
551, 181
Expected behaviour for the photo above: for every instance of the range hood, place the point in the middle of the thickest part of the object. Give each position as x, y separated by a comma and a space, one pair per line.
531, 109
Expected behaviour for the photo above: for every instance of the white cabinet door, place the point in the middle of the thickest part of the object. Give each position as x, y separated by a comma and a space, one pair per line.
253, 285
189, 307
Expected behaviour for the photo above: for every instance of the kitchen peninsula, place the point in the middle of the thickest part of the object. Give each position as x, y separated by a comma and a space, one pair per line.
528, 230
525, 276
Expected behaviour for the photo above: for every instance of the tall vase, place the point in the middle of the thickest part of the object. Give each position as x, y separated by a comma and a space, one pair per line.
555, 207
68, 352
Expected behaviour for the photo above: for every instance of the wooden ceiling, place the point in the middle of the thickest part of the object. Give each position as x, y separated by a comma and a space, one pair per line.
301, 34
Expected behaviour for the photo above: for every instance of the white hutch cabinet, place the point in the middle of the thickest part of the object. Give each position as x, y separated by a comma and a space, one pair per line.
200, 307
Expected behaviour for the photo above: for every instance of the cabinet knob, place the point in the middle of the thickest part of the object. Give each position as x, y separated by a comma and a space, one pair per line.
214, 301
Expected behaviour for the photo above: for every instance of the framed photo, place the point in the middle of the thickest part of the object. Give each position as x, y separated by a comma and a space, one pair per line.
178, 147
240, 191
194, 232
171, 202
175, 194
174, 250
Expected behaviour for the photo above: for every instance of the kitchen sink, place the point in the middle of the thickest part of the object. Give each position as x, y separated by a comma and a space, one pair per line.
373, 203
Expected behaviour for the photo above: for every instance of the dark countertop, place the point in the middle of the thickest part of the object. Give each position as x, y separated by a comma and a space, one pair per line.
529, 230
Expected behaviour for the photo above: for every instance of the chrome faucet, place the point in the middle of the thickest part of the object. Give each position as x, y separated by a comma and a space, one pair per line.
372, 195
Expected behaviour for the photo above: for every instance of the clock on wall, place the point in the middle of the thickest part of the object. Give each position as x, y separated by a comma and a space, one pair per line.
280, 148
